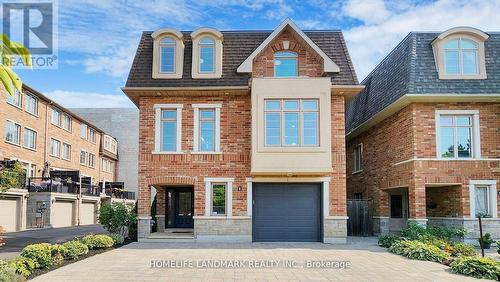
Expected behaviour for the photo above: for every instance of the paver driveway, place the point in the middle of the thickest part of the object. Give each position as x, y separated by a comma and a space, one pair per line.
368, 263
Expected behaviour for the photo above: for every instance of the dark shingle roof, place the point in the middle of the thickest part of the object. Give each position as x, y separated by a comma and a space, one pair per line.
410, 69
238, 45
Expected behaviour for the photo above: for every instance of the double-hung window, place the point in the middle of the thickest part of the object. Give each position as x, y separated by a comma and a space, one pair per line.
15, 99
31, 104
168, 119
483, 198
207, 55
167, 55
91, 160
55, 147
357, 164
285, 64
83, 131
56, 117
83, 157
207, 127
457, 134
12, 132
29, 138
92, 135
66, 152
291, 122
67, 122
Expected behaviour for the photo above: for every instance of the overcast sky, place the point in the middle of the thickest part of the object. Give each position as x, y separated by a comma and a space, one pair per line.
98, 38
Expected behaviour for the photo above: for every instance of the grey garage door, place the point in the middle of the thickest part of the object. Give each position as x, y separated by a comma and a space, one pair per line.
286, 212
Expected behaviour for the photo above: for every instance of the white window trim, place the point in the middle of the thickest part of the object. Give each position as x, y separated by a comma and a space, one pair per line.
70, 152
196, 108
20, 135
86, 131
86, 157
36, 137
36, 104
59, 124
70, 129
20, 100
476, 134
492, 196
158, 108
50, 147
229, 195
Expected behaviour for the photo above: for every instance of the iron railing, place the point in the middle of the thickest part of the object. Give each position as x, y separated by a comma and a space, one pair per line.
116, 193
90, 190
45, 184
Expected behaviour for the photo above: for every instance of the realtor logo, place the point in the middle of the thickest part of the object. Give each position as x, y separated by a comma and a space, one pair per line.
32, 24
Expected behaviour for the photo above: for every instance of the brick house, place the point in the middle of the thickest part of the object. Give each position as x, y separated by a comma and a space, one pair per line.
423, 137
242, 133
37, 131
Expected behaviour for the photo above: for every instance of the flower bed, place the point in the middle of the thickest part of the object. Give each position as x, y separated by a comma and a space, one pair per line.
437, 244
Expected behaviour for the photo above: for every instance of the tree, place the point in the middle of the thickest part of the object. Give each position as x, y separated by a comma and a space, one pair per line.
117, 218
10, 80
12, 177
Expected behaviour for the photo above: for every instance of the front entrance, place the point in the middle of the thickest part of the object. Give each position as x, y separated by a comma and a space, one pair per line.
179, 207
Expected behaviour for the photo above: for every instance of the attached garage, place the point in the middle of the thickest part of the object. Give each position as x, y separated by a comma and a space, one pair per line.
286, 212
9, 214
62, 213
87, 213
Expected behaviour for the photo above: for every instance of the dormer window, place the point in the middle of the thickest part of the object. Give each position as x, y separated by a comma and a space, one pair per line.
168, 54
459, 53
207, 53
285, 64
461, 57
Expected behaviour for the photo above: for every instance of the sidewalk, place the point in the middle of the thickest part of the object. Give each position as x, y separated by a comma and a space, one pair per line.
16, 241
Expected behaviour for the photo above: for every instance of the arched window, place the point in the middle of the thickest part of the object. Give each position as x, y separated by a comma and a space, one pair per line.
461, 57
167, 55
285, 64
207, 55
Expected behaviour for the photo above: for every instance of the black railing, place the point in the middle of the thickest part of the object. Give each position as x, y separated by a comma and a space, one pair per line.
115, 193
43, 184
90, 190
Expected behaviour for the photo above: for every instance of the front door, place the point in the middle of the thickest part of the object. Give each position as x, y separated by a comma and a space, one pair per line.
398, 211
180, 208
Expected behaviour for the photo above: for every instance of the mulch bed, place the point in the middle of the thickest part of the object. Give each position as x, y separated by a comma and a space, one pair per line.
38, 272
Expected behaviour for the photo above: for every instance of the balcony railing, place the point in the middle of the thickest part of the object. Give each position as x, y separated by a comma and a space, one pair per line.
42, 184
91, 190
115, 193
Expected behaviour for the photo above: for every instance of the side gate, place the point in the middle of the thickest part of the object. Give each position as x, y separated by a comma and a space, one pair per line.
360, 222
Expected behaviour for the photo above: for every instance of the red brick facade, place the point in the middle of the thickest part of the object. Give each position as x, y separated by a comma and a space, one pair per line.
390, 150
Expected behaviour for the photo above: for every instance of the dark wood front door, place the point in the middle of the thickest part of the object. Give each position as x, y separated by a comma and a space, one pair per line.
180, 208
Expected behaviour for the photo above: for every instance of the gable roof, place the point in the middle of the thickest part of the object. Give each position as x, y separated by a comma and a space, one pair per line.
238, 45
328, 64
410, 69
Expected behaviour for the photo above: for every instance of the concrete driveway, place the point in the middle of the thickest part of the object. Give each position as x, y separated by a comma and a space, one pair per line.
363, 261
16, 241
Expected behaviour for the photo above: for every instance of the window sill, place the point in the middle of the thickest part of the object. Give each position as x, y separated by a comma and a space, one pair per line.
15, 106
12, 143
357, 171
205, 153
35, 115
68, 160
28, 148
54, 156
167, 153
69, 131
55, 125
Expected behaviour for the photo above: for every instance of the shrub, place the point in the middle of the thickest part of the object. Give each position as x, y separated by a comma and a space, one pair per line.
413, 231
117, 238
8, 273
22, 265
74, 249
2, 242
463, 249
477, 267
41, 254
58, 253
99, 241
418, 250
132, 228
387, 240
116, 218
486, 239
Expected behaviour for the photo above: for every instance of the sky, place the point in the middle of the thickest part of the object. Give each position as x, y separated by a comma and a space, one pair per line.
97, 39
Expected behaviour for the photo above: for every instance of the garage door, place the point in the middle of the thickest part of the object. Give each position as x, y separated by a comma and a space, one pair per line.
8, 214
63, 214
87, 213
285, 212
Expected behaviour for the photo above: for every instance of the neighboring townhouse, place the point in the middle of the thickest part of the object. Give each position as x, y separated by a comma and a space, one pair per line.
122, 124
423, 137
43, 135
241, 133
